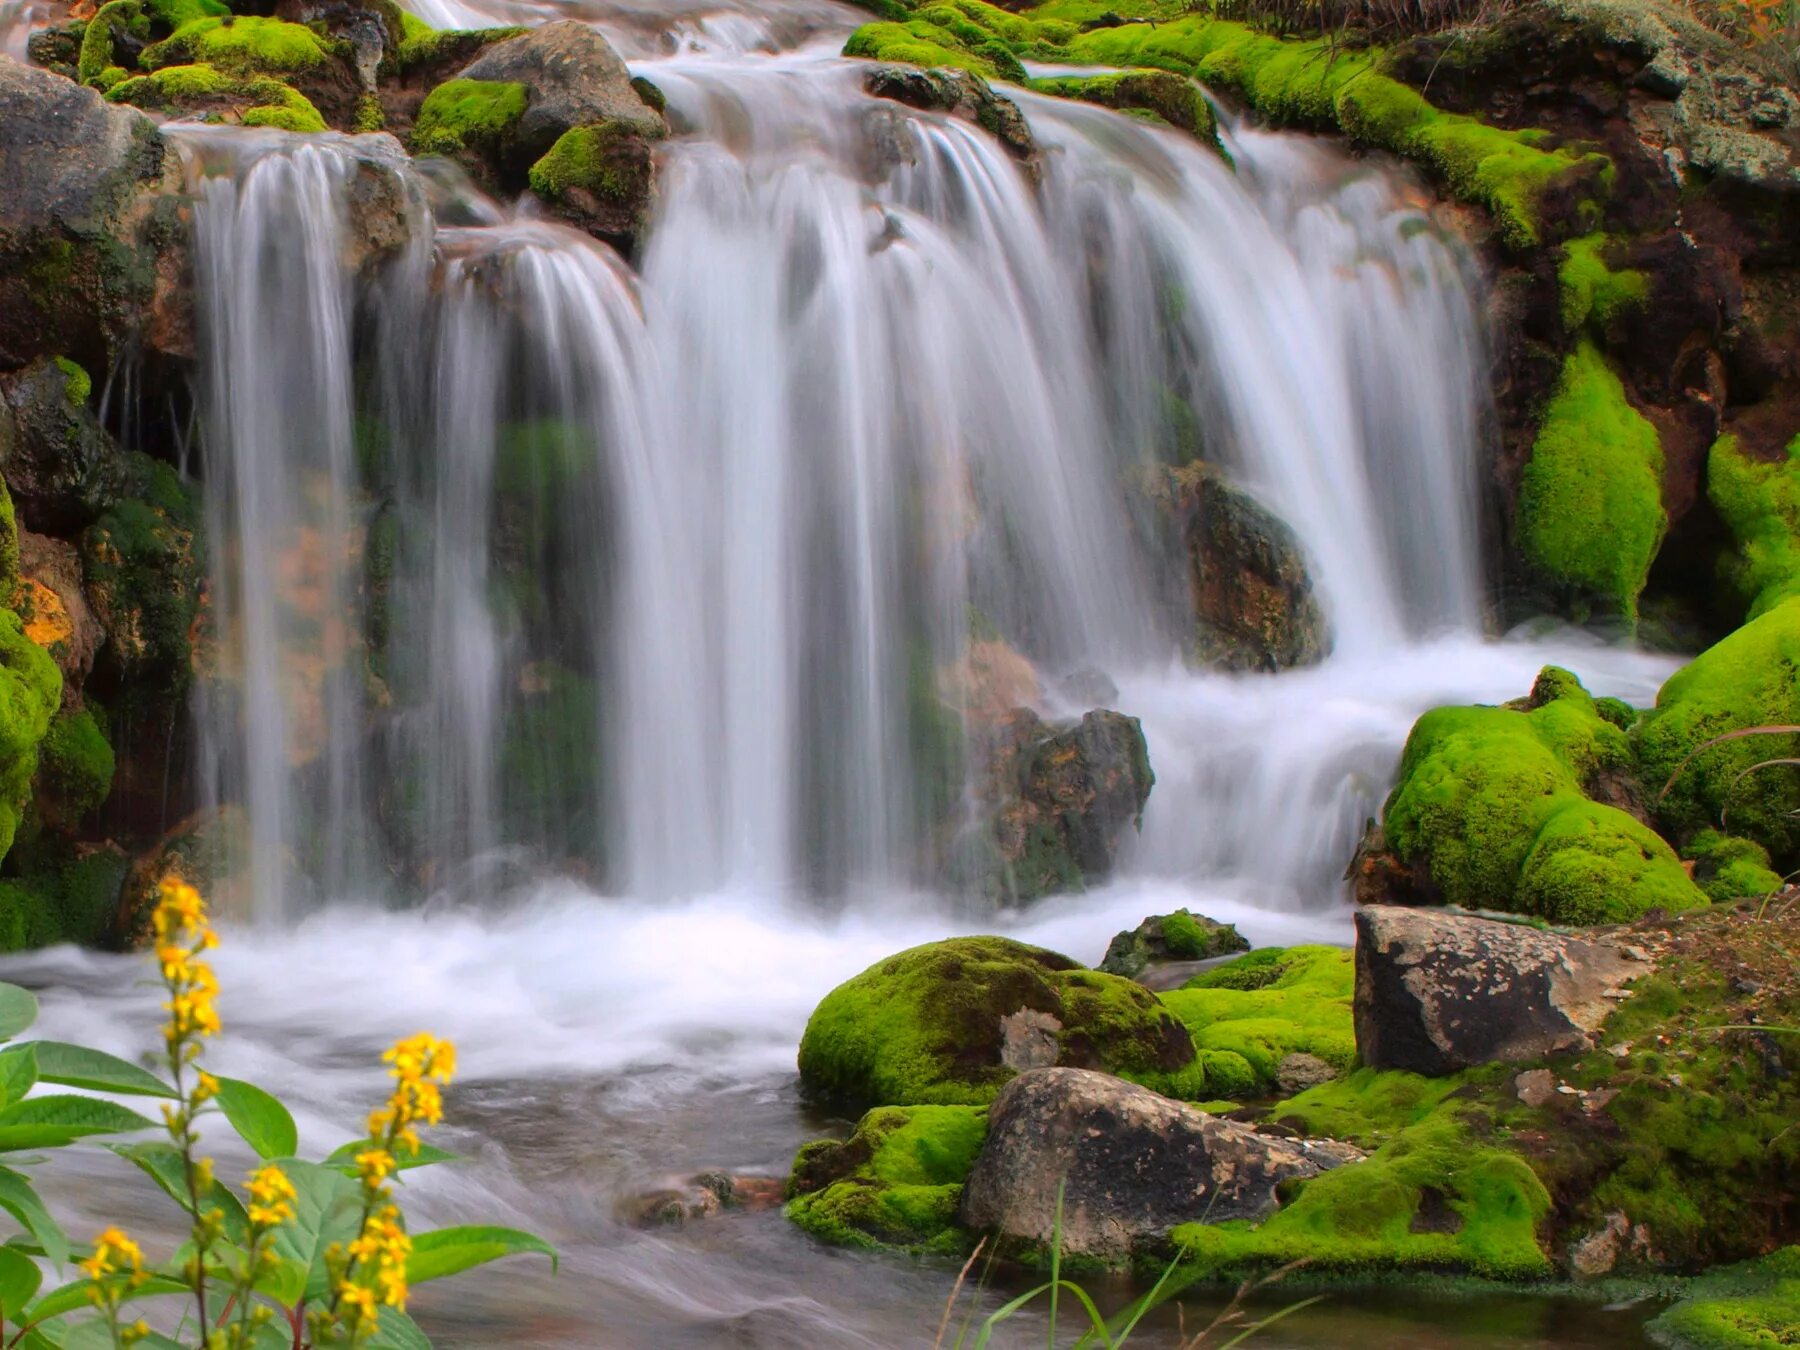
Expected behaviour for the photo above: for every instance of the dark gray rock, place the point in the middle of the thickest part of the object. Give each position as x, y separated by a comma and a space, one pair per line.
1132, 1165
960, 93
1161, 938
60, 465
1438, 992
79, 235
573, 78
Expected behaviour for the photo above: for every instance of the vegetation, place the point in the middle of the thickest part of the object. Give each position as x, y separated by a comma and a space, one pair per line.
467, 115
1247, 1016
1759, 501
606, 160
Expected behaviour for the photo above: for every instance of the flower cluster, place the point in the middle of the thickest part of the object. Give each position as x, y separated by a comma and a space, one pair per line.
182, 934
115, 1254
384, 1244
271, 1197
420, 1064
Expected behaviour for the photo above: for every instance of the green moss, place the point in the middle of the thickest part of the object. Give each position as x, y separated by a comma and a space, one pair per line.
76, 763
115, 19
922, 42
1491, 801
9, 544
143, 567
1728, 868
65, 897
467, 115
606, 159
239, 45
924, 1026
78, 383
1439, 1195
1169, 97
421, 45
369, 116
1759, 501
1592, 291
1300, 1004
1753, 1306
1750, 679
895, 1182
30, 692
258, 101
1366, 1107
1590, 514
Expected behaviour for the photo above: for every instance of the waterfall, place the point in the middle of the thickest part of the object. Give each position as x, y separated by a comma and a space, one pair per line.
524, 559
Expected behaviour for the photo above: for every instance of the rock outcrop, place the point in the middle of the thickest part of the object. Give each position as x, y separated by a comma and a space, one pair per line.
1439, 992
1129, 1166
1162, 938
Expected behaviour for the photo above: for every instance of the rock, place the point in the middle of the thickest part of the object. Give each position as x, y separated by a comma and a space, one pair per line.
1299, 1071
572, 78
81, 234
1254, 607
143, 565
1131, 1165
958, 92
55, 609
1054, 804
953, 1021
210, 850
1436, 992
991, 678
60, 465
1180, 936
1535, 1087
684, 1199
1598, 1252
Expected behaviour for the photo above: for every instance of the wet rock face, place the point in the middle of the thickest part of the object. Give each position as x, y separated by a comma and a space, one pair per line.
60, 465
1058, 802
1132, 1164
572, 77
960, 93
1437, 992
77, 264
55, 609
1254, 607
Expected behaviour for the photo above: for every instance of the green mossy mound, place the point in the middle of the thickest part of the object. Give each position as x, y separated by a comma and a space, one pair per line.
925, 1026
1489, 803
607, 160
133, 23
1590, 511
252, 101
1759, 501
1181, 936
1752, 1306
143, 565
468, 115
1750, 679
1247, 1016
422, 46
1591, 292
30, 693
75, 765
239, 45
63, 897
894, 1183
1162, 94
941, 37
1728, 868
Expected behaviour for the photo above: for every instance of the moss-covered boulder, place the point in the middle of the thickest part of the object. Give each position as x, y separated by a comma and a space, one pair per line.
1490, 811
957, 92
30, 694
1751, 679
66, 893
243, 44
1249, 1017
1729, 868
1161, 938
1759, 502
601, 178
951, 1022
144, 566
1754, 1305
1158, 94
60, 465
895, 1182
75, 768
214, 94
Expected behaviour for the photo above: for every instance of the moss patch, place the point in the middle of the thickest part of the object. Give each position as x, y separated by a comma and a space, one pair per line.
894, 1183
30, 692
605, 160
1592, 292
240, 45
1727, 868
1490, 802
467, 115
1759, 501
925, 1026
63, 898
1297, 1000
1753, 1306
1165, 95
1590, 514
1750, 679
254, 101
143, 565
75, 764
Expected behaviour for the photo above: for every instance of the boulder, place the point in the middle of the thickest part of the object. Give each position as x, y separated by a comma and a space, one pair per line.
1161, 938
81, 234
1438, 992
951, 1022
60, 465
572, 78
1054, 804
1130, 1164
1254, 607
681, 1200
960, 93
55, 609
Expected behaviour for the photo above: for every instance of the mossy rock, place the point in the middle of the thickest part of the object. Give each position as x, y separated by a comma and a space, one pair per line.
1249, 1015
1751, 1306
1162, 94
1592, 295
603, 175
30, 694
240, 45
1728, 868
1489, 806
1590, 511
1751, 679
1180, 936
65, 895
75, 767
894, 1183
144, 566
468, 117
951, 1022
1759, 501
205, 90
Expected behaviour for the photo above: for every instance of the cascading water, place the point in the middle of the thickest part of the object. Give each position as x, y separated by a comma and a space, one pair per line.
629, 595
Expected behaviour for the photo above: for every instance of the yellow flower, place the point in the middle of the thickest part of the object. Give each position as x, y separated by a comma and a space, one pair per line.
375, 1165
419, 1065
114, 1253
271, 1197
360, 1300
206, 1087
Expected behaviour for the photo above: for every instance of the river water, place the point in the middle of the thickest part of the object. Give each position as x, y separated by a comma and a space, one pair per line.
649, 785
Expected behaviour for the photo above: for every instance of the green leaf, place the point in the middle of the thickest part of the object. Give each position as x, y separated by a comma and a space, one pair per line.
20, 1199
263, 1121
73, 1296
18, 1010
449, 1251
327, 1209
79, 1067
344, 1158
18, 1074
50, 1122
394, 1330
163, 1164
19, 1281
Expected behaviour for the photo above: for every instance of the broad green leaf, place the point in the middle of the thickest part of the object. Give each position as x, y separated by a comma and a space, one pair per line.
79, 1067
394, 1330
74, 1296
18, 1010
50, 1122
18, 1074
19, 1281
448, 1251
327, 1209
282, 1279
163, 1164
425, 1155
20, 1199
263, 1121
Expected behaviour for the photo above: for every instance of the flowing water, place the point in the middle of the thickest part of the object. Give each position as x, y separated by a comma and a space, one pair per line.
646, 580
